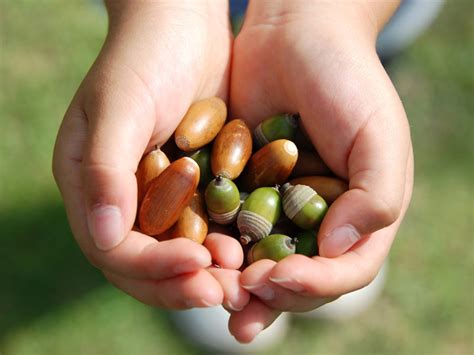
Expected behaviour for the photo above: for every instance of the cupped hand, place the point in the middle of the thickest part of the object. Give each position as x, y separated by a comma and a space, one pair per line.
158, 58
319, 59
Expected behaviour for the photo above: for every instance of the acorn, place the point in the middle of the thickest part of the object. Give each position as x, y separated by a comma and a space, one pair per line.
151, 165
329, 188
274, 247
307, 242
168, 195
231, 149
271, 165
203, 158
303, 205
200, 124
309, 163
222, 200
193, 222
283, 126
260, 211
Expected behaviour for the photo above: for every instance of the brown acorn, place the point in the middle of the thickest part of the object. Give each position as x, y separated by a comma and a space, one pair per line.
270, 165
330, 188
201, 124
193, 222
231, 149
168, 195
151, 165
309, 163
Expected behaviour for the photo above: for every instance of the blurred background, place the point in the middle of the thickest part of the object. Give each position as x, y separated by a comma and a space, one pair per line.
53, 302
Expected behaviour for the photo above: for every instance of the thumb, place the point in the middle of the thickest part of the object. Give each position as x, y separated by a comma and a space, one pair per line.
119, 130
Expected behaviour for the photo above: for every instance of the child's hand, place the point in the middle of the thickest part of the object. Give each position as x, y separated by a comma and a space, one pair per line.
158, 58
319, 59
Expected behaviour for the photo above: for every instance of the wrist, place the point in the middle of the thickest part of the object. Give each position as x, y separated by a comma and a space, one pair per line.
121, 11
362, 18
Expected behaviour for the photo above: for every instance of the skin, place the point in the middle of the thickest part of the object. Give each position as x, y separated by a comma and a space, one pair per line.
157, 59
319, 59
316, 58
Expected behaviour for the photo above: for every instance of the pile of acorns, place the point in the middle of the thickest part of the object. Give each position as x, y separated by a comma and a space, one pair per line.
215, 172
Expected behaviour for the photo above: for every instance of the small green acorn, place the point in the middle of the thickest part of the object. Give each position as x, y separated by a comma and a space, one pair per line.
203, 158
307, 242
274, 247
222, 200
283, 126
260, 211
303, 205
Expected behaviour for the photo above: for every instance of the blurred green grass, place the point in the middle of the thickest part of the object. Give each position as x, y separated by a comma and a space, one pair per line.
53, 302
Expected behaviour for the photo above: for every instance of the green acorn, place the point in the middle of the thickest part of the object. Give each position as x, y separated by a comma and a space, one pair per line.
260, 211
307, 242
274, 247
203, 158
303, 205
282, 126
222, 200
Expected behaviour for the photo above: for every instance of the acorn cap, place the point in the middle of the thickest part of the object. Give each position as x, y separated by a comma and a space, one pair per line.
252, 226
295, 198
226, 217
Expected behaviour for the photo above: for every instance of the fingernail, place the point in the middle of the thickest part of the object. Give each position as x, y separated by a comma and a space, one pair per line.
199, 303
234, 308
288, 283
339, 240
106, 226
262, 291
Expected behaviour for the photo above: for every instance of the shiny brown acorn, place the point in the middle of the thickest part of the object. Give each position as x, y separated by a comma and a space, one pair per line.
309, 163
303, 205
231, 149
168, 196
201, 124
151, 165
193, 222
270, 165
329, 188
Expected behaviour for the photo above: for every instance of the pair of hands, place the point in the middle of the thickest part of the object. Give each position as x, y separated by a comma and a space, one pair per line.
317, 59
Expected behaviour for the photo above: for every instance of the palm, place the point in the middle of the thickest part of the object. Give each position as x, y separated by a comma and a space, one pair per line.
348, 106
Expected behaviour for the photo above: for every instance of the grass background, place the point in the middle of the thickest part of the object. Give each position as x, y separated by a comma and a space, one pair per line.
53, 302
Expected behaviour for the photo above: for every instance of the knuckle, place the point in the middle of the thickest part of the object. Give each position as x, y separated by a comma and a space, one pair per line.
384, 212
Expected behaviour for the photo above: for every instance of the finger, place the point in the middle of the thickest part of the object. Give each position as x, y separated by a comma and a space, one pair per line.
225, 250
199, 289
332, 277
256, 280
248, 323
141, 256
120, 113
235, 297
